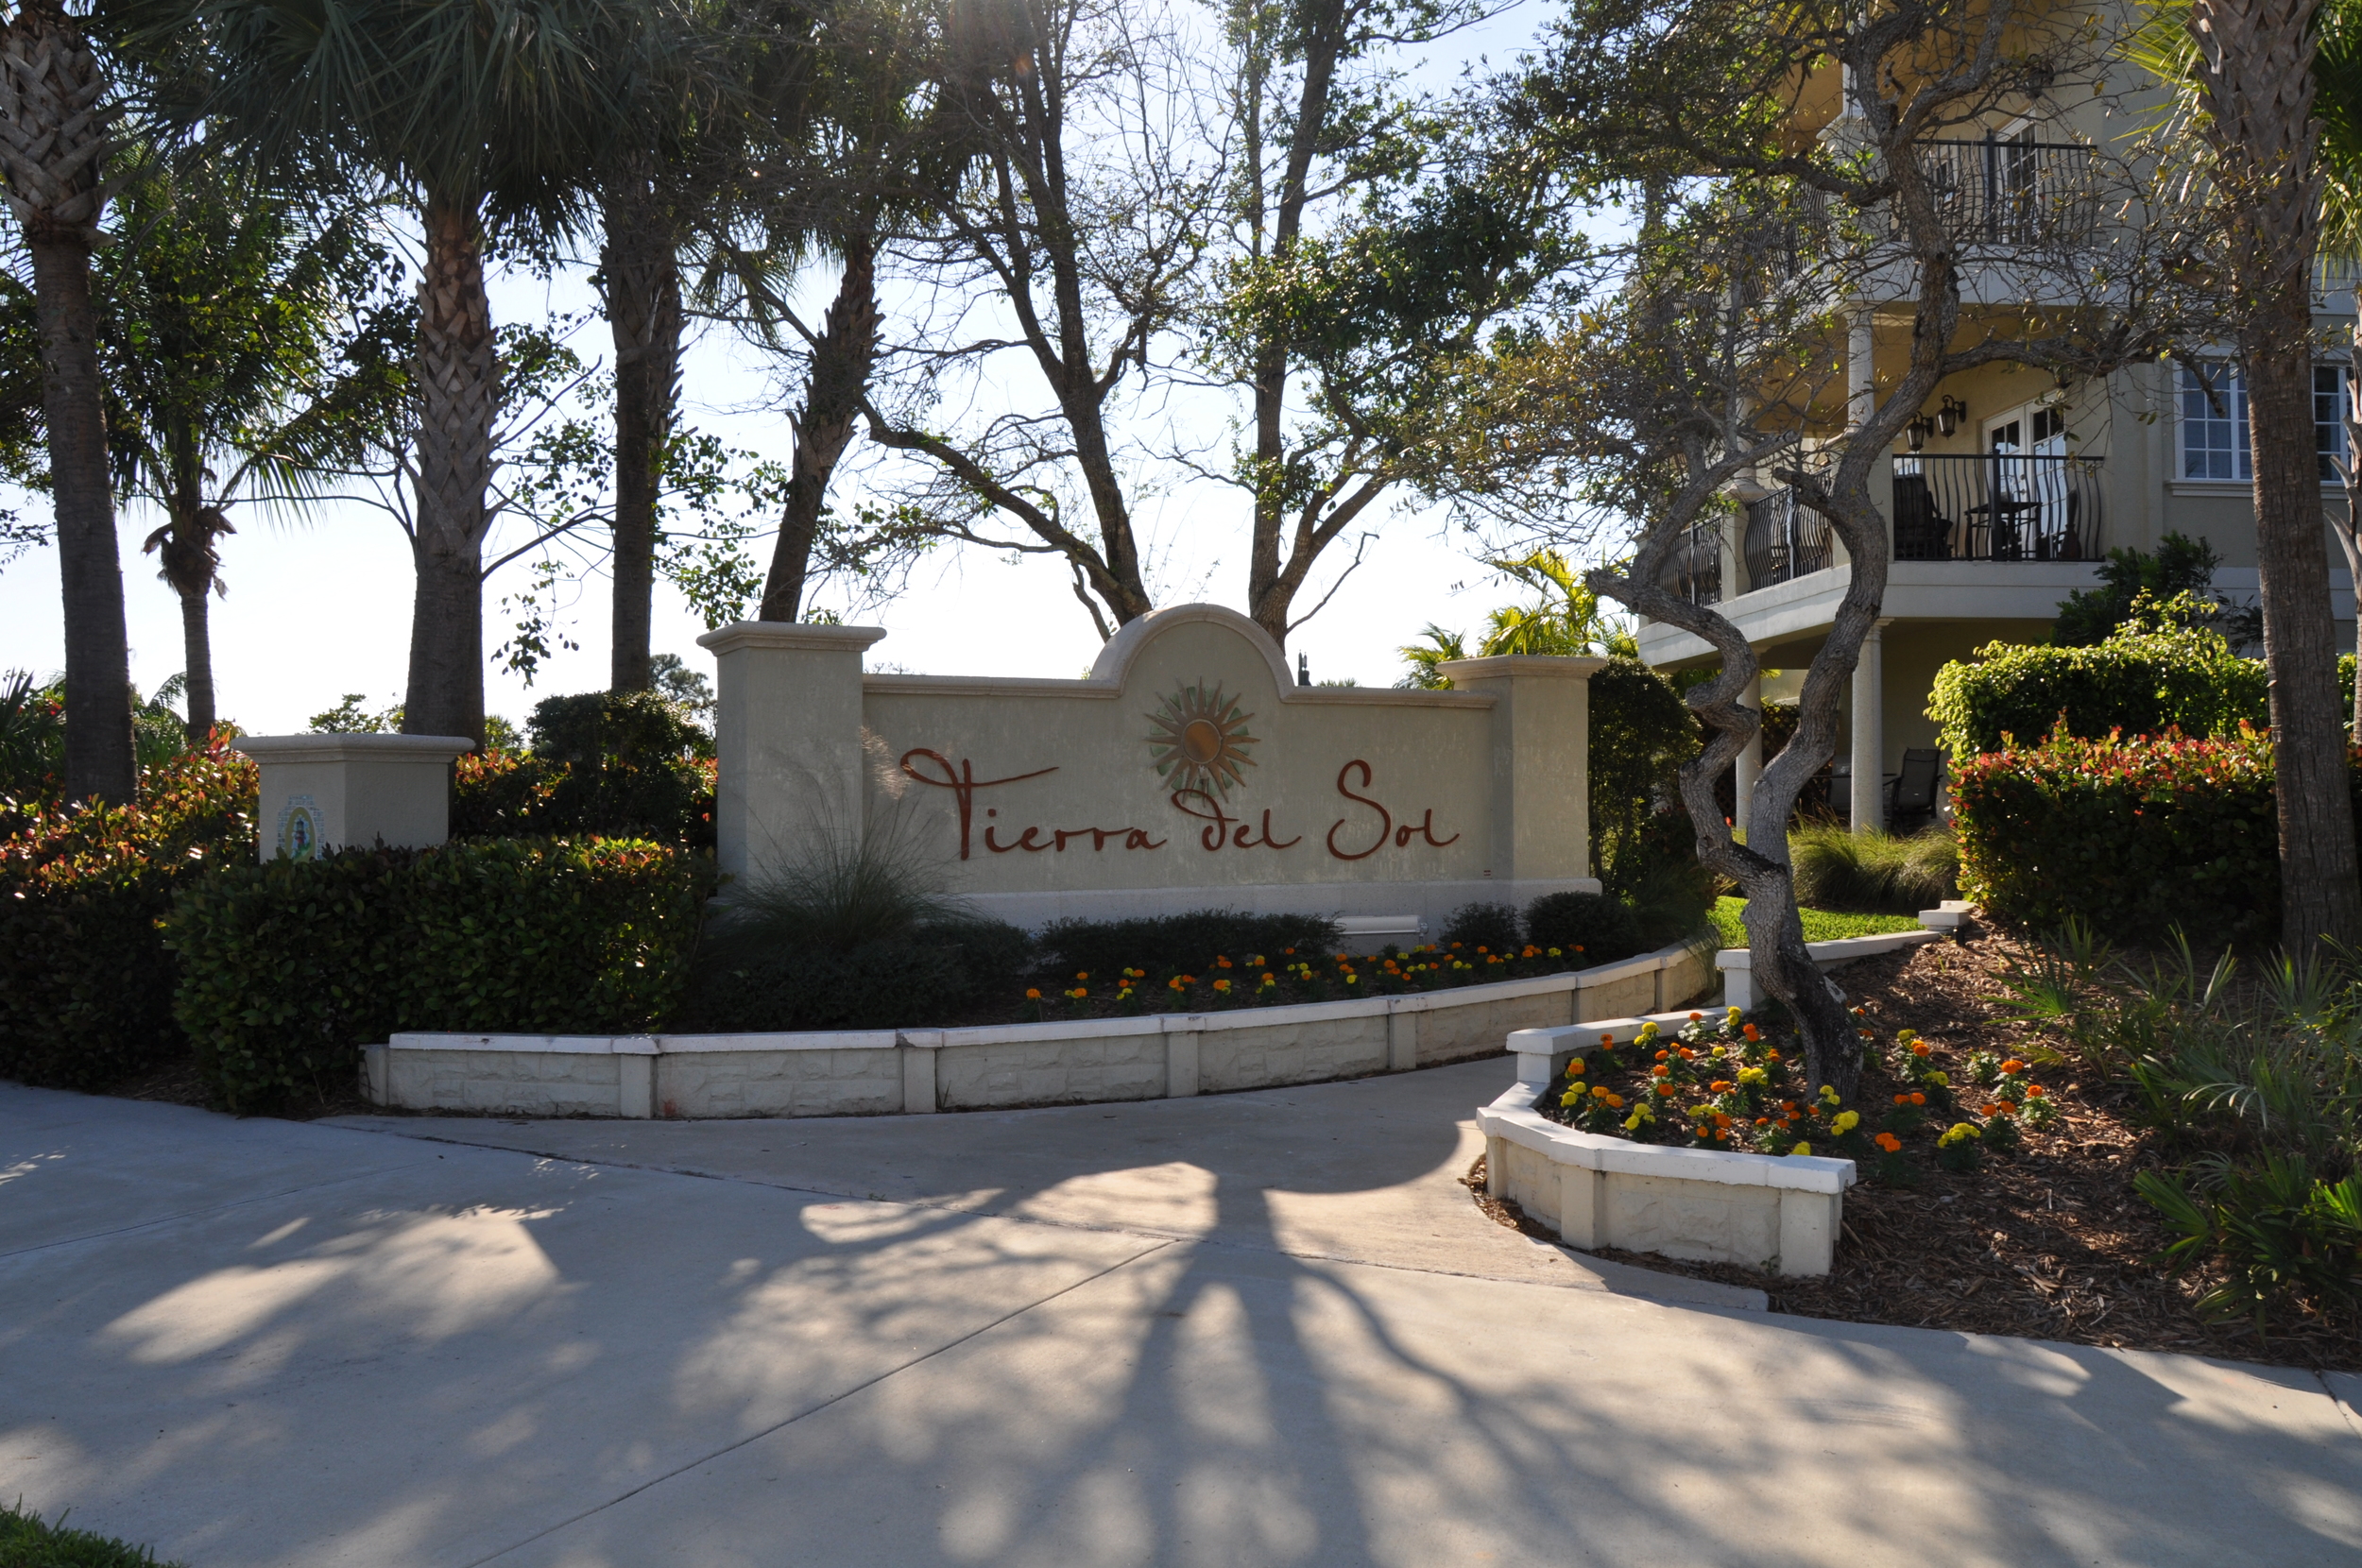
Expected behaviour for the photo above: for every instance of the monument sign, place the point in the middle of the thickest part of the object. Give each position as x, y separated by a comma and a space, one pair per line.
1186, 771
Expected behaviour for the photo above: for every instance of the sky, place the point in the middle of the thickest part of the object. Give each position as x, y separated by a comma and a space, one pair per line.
318, 605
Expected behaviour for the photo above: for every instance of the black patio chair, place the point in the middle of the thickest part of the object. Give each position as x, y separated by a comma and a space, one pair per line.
1911, 793
1920, 532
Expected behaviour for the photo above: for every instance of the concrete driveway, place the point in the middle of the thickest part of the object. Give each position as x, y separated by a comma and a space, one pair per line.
1246, 1329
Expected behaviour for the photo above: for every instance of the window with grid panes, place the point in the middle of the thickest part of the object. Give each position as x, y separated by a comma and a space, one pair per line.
2214, 429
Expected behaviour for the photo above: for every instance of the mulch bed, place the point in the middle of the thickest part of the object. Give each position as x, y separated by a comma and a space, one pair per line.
2050, 1243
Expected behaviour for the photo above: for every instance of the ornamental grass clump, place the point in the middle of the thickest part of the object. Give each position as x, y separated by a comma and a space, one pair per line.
855, 936
1873, 872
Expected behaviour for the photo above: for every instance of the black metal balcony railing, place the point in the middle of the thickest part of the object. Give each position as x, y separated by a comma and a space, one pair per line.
1996, 507
2012, 193
1694, 571
1783, 540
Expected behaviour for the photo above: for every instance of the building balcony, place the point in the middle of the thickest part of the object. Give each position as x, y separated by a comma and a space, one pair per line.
1996, 507
2012, 193
1783, 540
1695, 571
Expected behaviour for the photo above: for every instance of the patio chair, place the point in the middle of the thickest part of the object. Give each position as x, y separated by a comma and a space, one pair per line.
1920, 532
1911, 793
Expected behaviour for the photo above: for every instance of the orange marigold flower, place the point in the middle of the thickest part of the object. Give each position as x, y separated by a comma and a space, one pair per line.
1574, 1068
1689, 1055
1615, 1102
1763, 1122
1695, 1016
2014, 1065
1659, 1071
1920, 1047
1663, 1054
1901, 1100
1032, 993
1720, 1086
2035, 1091
1750, 1032
1918, 1099
1666, 1089
1889, 1142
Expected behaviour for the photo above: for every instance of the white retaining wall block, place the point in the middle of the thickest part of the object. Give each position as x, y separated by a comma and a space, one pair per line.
1738, 964
1780, 1214
868, 1072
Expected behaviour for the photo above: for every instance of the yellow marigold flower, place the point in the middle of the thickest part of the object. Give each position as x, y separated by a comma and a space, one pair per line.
1753, 1077
1801, 1149
1845, 1121
1959, 1132
1731, 1014
1828, 1092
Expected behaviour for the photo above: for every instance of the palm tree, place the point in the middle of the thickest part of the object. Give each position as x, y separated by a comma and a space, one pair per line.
2248, 68
221, 317
52, 143
483, 114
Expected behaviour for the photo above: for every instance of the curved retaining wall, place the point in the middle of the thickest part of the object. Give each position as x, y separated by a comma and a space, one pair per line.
874, 1072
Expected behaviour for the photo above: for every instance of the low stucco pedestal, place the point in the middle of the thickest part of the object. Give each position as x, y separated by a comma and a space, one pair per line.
323, 792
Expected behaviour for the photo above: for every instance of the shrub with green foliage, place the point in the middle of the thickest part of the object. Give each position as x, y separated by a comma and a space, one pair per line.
1489, 926
1601, 924
1178, 943
932, 974
1641, 733
86, 983
2143, 680
288, 968
2134, 835
628, 763
29, 1541
2180, 565
1837, 868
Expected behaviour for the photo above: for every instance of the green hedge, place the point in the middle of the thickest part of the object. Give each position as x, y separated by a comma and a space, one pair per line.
2138, 682
2137, 836
287, 968
86, 984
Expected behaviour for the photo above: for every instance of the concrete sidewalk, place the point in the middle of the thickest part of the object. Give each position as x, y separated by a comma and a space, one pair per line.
1247, 1329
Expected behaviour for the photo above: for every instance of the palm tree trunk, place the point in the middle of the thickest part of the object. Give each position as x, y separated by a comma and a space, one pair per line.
643, 311
196, 651
52, 140
459, 398
841, 362
2321, 894
100, 758
2256, 78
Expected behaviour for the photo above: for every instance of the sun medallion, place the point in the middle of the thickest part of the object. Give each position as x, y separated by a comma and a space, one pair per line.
1201, 741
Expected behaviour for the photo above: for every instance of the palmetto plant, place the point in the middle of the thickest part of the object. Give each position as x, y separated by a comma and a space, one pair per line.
54, 141
484, 114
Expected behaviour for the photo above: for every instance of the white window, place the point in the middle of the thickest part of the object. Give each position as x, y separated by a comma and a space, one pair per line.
2214, 427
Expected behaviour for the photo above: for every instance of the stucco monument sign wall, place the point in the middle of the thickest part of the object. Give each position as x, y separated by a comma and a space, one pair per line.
1186, 772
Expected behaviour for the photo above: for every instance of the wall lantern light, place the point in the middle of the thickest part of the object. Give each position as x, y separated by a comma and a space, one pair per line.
1916, 431
1949, 414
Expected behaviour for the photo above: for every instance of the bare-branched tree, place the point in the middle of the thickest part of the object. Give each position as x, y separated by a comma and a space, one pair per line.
1776, 155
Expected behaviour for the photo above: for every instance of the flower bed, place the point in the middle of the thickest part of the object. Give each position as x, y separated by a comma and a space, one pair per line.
1289, 977
1724, 1083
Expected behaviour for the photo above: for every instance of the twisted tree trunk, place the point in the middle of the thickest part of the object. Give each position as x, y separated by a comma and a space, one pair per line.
644, 312
53, 143
2256, 80
459, 378
841, 357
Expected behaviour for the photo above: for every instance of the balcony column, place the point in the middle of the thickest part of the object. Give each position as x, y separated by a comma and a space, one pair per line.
1869, 758
1861, 385
1750, 764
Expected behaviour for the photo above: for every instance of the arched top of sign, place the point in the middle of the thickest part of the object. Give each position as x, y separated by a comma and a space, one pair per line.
1115, 660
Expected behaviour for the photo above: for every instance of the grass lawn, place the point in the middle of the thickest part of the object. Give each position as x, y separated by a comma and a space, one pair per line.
1819, 925
27, 1543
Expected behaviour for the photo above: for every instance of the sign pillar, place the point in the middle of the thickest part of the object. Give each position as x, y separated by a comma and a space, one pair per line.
788, 733
325, 792
1540, 762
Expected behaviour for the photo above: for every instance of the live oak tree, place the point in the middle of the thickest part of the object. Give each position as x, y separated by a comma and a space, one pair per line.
1069, 242
1374, 238
1716, 347
55, 121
